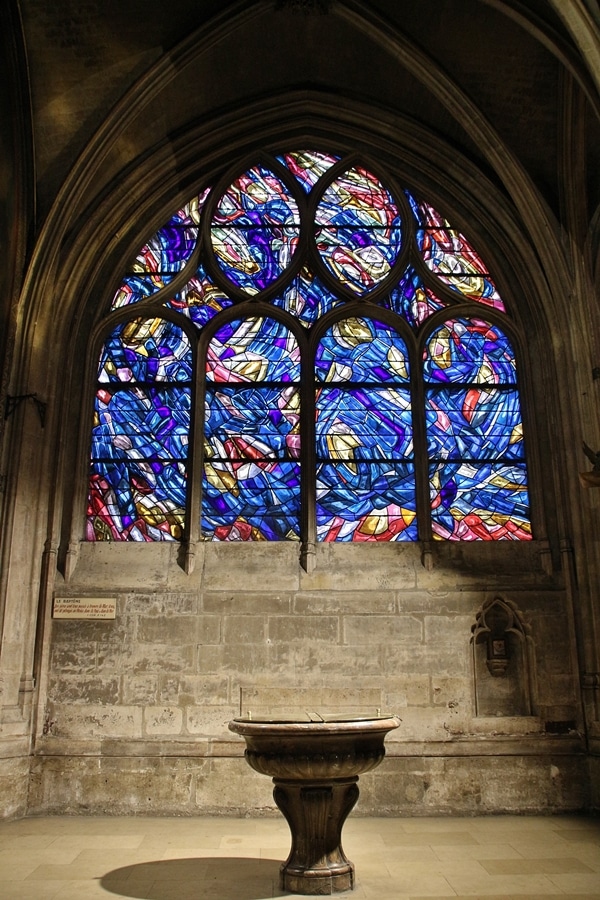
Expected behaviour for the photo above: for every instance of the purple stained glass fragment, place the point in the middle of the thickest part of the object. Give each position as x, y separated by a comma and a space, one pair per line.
200, 299
167, 251
306, 298
412, 300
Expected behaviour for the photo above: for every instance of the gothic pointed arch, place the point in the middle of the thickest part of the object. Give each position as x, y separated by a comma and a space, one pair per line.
332, 367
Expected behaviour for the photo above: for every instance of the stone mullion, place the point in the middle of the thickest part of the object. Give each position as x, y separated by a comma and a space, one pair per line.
421, 461
308, 523
194, 462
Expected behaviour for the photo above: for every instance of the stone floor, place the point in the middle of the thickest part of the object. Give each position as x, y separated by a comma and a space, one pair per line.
503, 857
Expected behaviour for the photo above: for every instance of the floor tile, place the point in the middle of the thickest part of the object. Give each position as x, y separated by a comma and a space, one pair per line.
511, 885
578, 883
430, 838
546, 866
499, 857
477, 851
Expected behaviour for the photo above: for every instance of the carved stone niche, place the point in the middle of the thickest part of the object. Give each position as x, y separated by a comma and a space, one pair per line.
503, 661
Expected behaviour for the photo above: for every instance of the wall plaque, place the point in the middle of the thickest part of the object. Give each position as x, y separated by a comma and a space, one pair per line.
84, 608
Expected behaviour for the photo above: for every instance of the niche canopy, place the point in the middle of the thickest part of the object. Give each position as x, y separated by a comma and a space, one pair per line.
313, 353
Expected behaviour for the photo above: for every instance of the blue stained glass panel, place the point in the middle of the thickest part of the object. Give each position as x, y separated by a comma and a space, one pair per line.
255, 230
136, 501
141, 424
415, 207
363, 424
307, 298
135, 288
252, 423
479, 501
168, 249
366, 502
163, 256
146, 350
450, 256
361, 349
411, 299
246, 500
358, 230
469, 350
253, 349
200, 299
251, 481
308, 166
138, 475
477, 423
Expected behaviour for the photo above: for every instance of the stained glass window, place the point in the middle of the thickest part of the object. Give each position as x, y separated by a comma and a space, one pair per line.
477, 474
364, 443
163, 256
314, 337
358, 230
448, 254
140, 434
251, 478
255, 230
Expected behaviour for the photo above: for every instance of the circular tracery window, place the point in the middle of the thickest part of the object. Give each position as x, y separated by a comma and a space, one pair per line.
359, 379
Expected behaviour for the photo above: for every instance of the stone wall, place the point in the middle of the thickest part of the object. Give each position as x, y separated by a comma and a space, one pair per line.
132, 713
134, 710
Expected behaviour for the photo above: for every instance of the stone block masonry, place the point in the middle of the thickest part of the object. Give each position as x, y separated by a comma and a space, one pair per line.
135, 710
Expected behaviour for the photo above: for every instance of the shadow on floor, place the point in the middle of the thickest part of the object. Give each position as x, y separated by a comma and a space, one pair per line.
198, 878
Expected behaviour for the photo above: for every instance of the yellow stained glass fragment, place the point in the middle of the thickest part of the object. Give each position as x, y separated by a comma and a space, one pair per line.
342, 446
352, 332
221, 479
397, 362
516, 434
